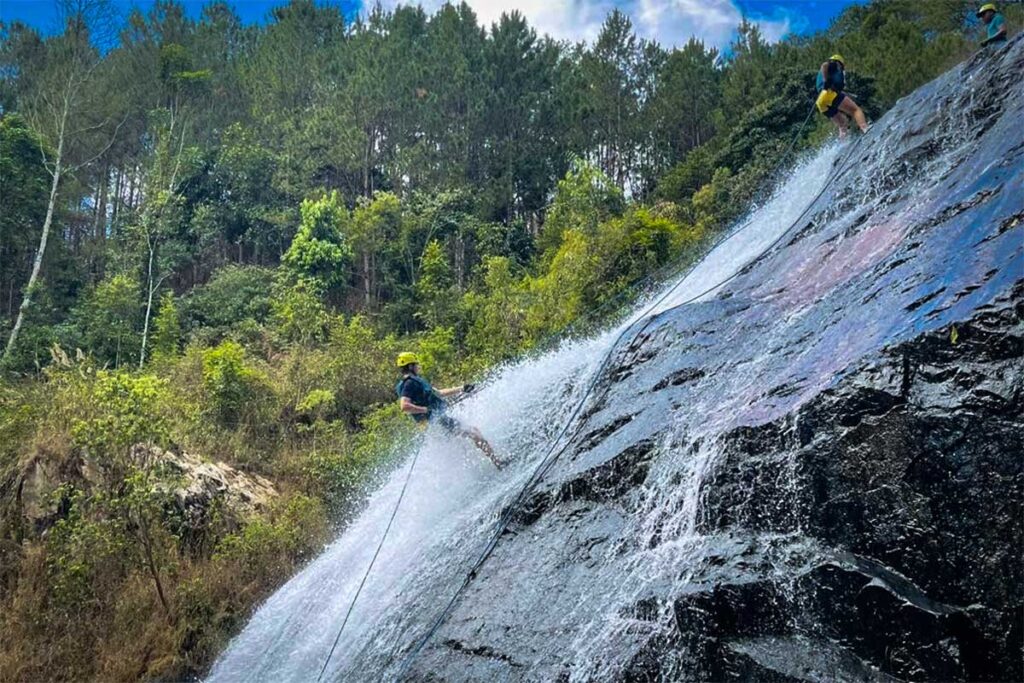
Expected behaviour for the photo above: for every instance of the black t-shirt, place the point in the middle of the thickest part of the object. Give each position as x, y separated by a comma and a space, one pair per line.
419, 391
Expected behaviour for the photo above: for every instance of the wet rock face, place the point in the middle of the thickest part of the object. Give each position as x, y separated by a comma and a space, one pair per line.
909, 472
815, 475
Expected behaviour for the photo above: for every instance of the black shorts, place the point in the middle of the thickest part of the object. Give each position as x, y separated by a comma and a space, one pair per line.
834, 109
446, 423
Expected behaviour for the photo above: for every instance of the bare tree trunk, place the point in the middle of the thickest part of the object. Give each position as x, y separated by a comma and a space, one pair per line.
132, 184
149, 302
26, 300
100, 225
366, 279
117, 200
374, 283
151, 242
460, 261
154, 572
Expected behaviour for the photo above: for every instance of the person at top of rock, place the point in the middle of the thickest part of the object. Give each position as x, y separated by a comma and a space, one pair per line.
835, 104
426, 405
994, 23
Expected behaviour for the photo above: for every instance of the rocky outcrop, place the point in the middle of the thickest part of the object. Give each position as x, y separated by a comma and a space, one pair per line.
199, 489
815, 475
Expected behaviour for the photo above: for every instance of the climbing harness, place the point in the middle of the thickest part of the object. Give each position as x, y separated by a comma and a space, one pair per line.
554, 452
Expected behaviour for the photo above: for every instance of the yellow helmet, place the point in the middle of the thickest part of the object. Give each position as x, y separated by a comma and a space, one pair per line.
405, 358
985, 8
837, 58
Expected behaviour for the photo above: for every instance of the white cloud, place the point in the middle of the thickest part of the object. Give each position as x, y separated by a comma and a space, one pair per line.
670, 22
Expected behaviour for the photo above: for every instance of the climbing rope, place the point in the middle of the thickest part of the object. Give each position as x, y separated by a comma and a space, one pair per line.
369, 567
554, 453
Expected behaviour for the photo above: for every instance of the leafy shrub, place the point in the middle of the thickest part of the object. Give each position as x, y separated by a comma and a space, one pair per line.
166, 329
234, 390
298, 313
686, 177
434, 289
107, 324
268, 547
85, 553
123, 410
234, 303
584, 198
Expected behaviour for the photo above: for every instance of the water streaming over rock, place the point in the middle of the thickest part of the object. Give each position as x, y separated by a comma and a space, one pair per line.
794, 476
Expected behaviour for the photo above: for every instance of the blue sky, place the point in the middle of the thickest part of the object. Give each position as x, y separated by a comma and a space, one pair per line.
671, 22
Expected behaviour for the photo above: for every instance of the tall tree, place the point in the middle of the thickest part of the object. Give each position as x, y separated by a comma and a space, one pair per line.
522, 136
748, 78
685, 106
612, 71
63, 103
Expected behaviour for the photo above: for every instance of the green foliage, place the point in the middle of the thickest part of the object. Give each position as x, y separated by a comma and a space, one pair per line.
377, 226
712, 202
627, 249
298, 313
340, 470
84, 553
123, 410
234, 303
234, 389
679, 184
273, 544
434, 293
108, 321
585, 197
166, 329
360, 367
316, 403
498, 312
557, 295
319, 253
176, 68
24, 186
437, 351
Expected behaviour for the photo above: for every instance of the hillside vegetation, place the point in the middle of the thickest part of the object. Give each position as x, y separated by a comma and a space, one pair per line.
246, 224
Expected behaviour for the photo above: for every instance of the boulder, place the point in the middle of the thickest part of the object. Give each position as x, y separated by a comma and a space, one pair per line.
200, 489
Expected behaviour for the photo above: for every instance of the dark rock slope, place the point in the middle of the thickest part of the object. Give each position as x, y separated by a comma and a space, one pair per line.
816, 474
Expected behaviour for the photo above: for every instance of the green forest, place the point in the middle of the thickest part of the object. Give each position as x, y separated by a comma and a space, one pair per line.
215, 238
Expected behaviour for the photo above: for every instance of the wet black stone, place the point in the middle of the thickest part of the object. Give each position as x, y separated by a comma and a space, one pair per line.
860, 392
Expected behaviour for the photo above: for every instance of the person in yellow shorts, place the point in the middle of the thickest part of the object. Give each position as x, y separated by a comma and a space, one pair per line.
832, 101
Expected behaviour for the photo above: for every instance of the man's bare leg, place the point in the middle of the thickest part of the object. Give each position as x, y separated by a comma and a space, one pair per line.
841, 122
850, 108
477, 438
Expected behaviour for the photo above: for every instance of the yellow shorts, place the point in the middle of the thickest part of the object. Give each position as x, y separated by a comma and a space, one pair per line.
828, 102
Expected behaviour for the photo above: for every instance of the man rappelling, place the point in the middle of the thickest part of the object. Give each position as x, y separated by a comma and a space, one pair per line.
426, 405
995, 25
832, 101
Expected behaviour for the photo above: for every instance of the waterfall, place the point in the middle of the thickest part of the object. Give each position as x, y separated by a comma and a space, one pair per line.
798, 461
454, 494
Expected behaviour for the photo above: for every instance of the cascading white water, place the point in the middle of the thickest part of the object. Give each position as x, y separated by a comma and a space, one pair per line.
454, 494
